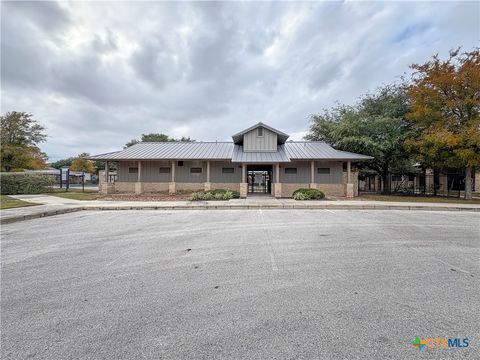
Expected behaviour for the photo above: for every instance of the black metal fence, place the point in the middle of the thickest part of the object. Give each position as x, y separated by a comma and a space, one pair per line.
65, 179
421, 184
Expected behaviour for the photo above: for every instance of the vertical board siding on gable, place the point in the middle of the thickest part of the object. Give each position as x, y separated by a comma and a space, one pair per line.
217, 176
336, 171
183, 175
268, 142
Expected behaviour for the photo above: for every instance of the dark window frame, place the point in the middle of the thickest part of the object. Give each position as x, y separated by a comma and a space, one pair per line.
323, 171
230, 170
133, 169
164, 170
193, 170
180, 163
291, 171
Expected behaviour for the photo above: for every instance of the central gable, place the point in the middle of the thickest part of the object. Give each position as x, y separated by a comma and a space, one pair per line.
260, 138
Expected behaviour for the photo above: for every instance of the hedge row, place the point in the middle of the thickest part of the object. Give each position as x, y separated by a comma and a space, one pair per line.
217, 194
22, 183
308, 194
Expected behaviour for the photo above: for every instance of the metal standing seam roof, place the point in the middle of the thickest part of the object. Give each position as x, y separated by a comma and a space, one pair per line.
292, 150
171, 151
259, 157
319, 150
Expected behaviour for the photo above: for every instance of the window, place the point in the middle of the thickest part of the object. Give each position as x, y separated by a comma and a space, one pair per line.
164, 170
323, 171
290, 170
180, 163
228, 170
195, 170
260, 132
133, 170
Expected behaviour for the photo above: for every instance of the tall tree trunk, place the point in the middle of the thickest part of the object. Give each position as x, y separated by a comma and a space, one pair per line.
468, 182
386, 182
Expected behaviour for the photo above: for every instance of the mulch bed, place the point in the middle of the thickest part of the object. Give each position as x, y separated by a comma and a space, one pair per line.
147, 197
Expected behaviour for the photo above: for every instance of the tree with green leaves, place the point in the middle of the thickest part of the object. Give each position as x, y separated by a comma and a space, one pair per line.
62, 163
20, 136
375, 126
81, 163
156, 137
445, 113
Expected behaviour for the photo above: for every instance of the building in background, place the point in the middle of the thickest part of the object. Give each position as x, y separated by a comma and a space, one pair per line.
258, 160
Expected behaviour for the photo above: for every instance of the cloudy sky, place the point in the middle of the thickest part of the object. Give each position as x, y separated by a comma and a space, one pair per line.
98, 74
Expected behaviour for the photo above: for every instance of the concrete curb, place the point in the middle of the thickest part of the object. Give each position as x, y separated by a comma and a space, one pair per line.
17, 218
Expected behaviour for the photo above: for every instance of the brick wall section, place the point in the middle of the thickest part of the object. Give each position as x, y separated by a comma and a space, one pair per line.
354, 175
331, 189
288, 189
190, 186
124, 187
226, 186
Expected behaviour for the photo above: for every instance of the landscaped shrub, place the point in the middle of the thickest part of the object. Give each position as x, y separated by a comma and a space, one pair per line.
24, 183
207, 196
196, 196
300, 196
228, 195
217, 194
308, 194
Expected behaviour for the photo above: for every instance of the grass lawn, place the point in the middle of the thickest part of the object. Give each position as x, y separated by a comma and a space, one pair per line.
417, 199
7, 202
75, 195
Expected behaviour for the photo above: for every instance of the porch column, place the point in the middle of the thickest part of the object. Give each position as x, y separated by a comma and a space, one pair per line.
349, 171
244, 184
277, 186
350, 192
107, 187
172, 185
138, 184
312, 174
106, 172
207, 184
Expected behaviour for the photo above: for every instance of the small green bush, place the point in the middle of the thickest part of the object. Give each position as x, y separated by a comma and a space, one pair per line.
25, 183
207, 196
301, 196
228, 195
217, 194
196, 196
308, 194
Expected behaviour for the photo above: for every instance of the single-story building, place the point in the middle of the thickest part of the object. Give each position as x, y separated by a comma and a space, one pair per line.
258, 160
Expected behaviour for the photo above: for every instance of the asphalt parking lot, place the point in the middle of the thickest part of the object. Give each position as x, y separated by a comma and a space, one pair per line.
240, 284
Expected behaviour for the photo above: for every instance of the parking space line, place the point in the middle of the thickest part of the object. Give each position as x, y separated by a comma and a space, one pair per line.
269, 244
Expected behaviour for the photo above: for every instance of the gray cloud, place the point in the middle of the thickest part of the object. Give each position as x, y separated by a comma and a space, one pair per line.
98, 74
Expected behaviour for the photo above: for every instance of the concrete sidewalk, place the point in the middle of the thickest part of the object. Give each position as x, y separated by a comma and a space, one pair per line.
52, 205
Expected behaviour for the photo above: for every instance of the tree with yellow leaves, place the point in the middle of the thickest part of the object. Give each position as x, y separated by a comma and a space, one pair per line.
81, 163
445, 113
